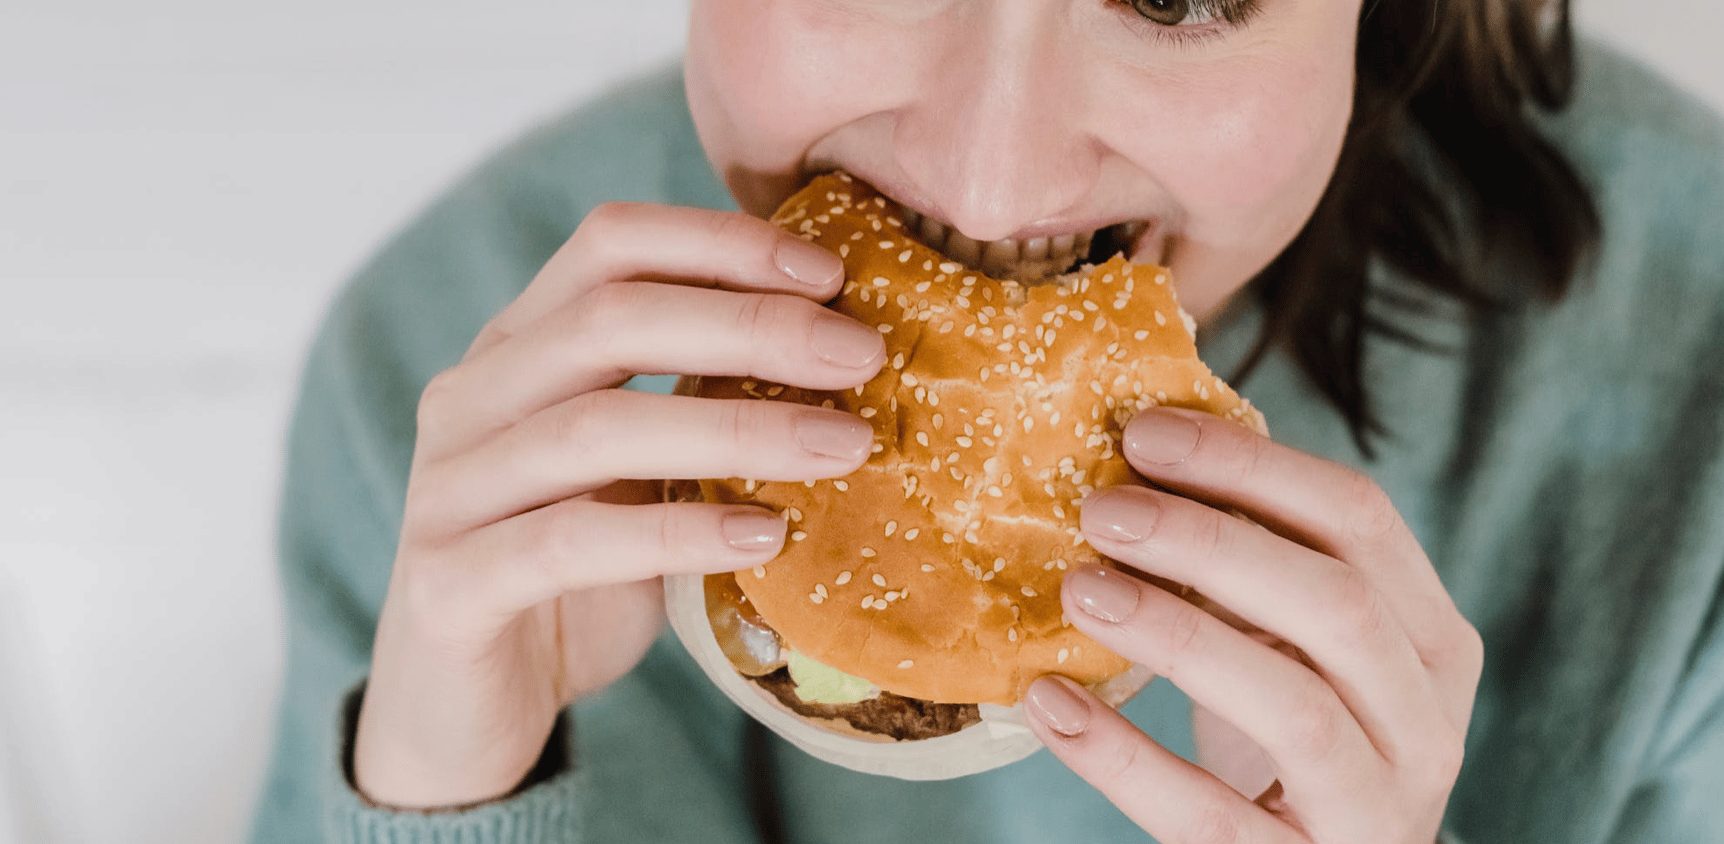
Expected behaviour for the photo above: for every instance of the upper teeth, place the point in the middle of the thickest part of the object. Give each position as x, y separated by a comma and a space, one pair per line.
1026, 260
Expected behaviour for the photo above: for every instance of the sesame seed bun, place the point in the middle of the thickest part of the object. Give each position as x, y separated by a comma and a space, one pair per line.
934, 570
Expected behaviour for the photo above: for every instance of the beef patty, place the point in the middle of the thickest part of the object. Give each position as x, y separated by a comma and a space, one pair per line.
891, 715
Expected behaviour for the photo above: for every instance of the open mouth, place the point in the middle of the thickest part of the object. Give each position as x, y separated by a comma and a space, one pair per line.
1031, 259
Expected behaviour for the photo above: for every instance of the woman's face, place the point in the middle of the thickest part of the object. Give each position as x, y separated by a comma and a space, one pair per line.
1215, 123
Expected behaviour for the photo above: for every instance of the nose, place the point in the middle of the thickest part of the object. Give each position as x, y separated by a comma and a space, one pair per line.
996, 141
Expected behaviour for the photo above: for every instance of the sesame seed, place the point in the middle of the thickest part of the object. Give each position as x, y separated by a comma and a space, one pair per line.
1141, 333
999, 563
1011, 634
893, 596
906, 663
879, 580
869, 553
965, 442
867, 412
795, 513
1028, 592
891, 527
760, 571
904, 257
922, 438
798, 535
815, 597
842, 578
1160, 319
927, 567
868, 602
1064, 654
820, 589
842, 485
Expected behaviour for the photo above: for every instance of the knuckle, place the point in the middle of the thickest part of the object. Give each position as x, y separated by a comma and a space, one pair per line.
1461, 647
1121, 759
1235, 447
1210, 533
607, 217
756, 314
1177, 633
1360, 611
1314, 727
1213, 822
436, 397
743, 424
676, 534
1447, 759
580, 419
1374, 516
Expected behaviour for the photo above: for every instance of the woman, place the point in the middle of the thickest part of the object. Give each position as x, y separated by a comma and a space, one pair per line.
1467, 270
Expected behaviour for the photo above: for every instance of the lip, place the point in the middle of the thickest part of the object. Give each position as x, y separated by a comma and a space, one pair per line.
1056, 226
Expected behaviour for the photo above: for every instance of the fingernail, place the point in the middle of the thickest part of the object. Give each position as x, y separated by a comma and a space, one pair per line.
1055, 702
752, 531
1104, 593
1119, 516
1161, 438
807, 263
840, 435
845, 342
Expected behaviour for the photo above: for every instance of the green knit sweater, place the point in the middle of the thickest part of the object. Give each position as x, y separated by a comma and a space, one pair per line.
1564, 468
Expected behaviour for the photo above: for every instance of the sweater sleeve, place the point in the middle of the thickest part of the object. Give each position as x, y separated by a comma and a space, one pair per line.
658, 756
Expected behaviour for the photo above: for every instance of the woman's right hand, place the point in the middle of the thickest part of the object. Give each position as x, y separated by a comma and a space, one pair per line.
533, 537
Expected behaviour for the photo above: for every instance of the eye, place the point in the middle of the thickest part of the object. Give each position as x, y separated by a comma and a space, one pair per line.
1174, 12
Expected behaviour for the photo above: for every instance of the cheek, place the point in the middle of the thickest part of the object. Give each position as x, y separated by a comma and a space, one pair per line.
1247, 152
767, 79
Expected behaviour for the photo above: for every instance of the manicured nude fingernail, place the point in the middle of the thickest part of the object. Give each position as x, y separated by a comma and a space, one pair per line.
755, 531
840, 435
1055, 702
1160, 438
807, 263
1104, 593
1119, 516
846, 342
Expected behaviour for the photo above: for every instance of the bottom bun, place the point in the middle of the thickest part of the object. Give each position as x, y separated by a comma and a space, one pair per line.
1000, 738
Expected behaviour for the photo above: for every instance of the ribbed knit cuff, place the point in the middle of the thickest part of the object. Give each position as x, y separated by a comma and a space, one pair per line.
547, 810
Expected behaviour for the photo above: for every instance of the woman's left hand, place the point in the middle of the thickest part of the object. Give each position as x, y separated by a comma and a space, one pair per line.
1342, 662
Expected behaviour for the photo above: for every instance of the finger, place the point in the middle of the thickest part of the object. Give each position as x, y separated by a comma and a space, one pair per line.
580, 544
1170, 798
596, 438
1318, 748
1318, 604
1329, 507
629, 240
623, 329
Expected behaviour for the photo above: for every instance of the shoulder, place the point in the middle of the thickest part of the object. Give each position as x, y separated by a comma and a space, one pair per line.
1652, 156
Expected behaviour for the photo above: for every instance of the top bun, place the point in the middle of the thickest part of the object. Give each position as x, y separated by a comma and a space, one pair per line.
934, 570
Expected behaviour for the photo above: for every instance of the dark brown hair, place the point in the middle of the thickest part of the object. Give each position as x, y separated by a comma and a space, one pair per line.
1443, 179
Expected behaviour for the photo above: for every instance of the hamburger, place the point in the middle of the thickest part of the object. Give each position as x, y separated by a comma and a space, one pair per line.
917, 598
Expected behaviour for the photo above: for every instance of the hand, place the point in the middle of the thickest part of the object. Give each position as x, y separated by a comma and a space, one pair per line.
1346, 670
532, 543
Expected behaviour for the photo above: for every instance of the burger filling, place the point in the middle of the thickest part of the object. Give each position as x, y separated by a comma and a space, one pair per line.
813, 689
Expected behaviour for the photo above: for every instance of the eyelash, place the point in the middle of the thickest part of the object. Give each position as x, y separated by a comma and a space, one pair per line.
1228, 15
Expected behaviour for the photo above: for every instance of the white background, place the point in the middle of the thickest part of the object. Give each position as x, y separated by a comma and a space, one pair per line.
182, 184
